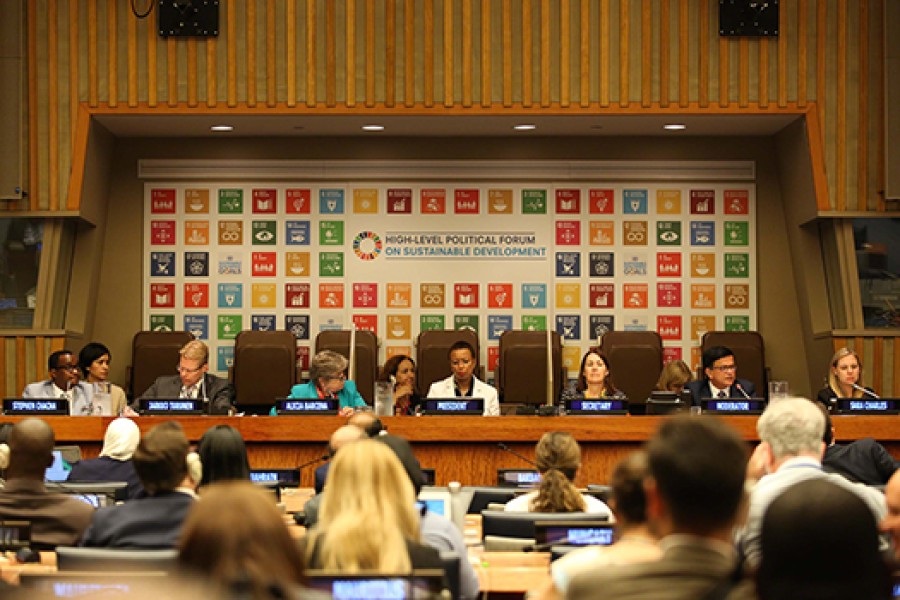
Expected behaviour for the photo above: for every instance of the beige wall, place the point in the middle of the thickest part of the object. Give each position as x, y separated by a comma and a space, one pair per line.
118, 306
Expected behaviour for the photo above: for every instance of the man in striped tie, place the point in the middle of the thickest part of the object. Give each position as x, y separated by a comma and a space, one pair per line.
720, 378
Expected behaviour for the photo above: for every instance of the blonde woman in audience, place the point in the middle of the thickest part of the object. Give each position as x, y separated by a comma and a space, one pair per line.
237, 540
558, 458
368, 519
675, 375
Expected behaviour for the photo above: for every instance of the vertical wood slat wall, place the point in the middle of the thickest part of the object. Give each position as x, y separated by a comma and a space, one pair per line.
320, 56
23, 359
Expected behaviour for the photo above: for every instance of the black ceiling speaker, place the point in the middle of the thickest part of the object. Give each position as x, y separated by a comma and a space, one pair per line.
188, 18
758, 18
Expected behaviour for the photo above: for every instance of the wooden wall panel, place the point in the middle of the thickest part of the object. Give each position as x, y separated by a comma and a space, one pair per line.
880, 357
23, 359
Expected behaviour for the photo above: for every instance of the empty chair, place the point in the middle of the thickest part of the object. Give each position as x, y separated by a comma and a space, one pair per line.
115, 559
521, 375
366, 356
265, 366
749, 355
635, 361
432, 355
512, 531
154, 353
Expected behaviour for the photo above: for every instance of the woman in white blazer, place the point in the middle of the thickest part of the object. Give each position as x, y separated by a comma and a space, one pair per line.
463, 381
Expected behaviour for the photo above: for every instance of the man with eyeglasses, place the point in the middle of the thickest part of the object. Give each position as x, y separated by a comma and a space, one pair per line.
63, 384
720, 378
194, 381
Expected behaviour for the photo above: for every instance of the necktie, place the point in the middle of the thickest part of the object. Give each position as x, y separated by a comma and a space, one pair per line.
190, 392
722, 394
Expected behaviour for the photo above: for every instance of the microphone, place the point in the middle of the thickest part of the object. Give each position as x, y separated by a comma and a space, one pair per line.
865, 391
740, 388
546, 545
506, 448
325, 456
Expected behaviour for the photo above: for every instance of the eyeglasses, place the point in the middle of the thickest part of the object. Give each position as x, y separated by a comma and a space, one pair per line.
726, 368
66, 367
181, 369
341, 377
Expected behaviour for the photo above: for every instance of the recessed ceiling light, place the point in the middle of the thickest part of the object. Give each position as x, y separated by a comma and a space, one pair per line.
674, 126
221, 128
597, 127
299, 127
524, 127
373, 127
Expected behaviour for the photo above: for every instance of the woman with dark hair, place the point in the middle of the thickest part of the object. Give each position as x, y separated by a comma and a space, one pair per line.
594, 379
558, 458
93, 362
400, 371
223, 455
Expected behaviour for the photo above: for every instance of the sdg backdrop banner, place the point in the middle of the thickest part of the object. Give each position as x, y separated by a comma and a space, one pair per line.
400, 258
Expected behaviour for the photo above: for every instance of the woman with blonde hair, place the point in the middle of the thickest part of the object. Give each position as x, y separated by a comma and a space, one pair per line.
675, 375
558, 458
237, 540
843, 379
368, 519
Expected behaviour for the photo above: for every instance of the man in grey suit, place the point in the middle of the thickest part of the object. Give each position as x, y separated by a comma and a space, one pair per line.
193, 381
696, 485
63, 383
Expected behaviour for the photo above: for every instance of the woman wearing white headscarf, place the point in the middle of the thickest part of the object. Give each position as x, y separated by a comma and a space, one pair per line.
114, 464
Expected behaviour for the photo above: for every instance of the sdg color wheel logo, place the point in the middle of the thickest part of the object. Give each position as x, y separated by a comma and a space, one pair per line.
367, 245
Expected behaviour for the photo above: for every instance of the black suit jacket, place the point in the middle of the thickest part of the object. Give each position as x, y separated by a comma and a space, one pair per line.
105, 468
865, 461
219, 392
700, 390
152, 522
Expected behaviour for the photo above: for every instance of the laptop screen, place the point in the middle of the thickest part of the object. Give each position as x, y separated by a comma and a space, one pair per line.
59, 470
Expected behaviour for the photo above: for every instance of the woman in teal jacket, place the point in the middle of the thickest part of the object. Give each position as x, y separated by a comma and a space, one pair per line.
328, 379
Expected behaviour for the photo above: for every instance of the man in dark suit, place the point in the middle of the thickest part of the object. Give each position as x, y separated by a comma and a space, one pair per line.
720, 378
193, 381
694, 492
169, 473
863, 461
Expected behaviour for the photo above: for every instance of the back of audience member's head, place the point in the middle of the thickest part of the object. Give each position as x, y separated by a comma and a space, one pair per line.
121, 439
237, 539
698, 467
367, 421
410, 463
223, 454
558, 458
343, 435
29, 450
791, 427
368, 512
160, 459
628, 500
820, 542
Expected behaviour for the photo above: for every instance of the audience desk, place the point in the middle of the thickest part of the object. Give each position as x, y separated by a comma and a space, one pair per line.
461, 448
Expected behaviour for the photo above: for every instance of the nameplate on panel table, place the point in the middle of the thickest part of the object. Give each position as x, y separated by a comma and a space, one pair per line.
734, 406
171, 406
867, 406
597, 406
453, 406
35, 406
299, 407
283, 477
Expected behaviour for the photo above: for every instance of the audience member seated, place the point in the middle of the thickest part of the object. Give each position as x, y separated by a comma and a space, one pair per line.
5, 429
328, 379
93, 361
194, 381
864, 461
594, 379
801, 531
368, 520
463, 383
891, 523
56, 519
843, 379
634, 542
340, 438
694, 494
237, 540
790, 451
115, 460
720, 378
368, 422
675, 375
558, 459
63, 383
169, 473
223, 455
437, 531
400, 372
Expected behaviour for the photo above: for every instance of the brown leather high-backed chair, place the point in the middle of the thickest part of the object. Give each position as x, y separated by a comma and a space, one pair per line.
366, 357
154, 353
635, 361
521, 374
432, 350
749, 355
265, 366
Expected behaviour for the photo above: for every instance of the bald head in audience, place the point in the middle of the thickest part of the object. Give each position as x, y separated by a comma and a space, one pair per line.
30, 449
344, 435
368, 422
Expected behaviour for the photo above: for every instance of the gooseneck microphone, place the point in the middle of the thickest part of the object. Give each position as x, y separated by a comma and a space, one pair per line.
865, 391
740, 388
325, 456
506, 448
